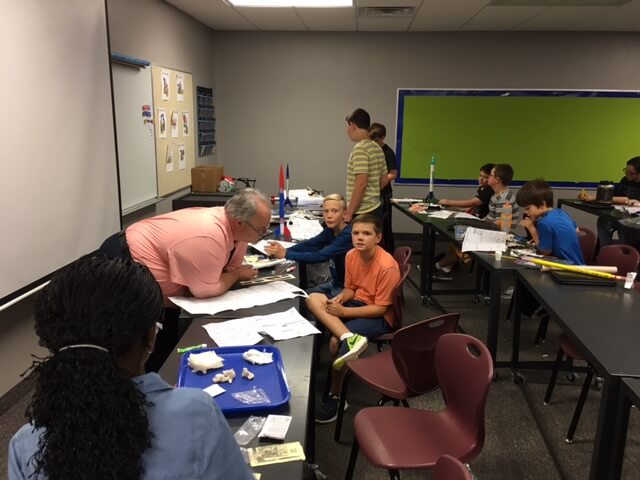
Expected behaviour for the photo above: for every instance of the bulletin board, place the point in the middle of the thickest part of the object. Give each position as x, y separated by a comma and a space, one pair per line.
174, 127
572, 138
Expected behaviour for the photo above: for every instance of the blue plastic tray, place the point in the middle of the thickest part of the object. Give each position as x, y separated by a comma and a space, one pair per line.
271, 378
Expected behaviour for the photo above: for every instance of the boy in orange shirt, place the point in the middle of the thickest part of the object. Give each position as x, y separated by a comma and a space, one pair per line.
362, 309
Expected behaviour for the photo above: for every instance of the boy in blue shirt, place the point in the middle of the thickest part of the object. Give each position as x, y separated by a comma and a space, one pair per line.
331, 245
552, 230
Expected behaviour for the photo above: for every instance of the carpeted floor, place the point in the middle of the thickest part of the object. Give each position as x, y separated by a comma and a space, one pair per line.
524, 438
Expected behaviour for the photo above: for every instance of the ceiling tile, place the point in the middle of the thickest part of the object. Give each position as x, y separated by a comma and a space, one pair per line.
273, 18
445, 14
215, 14
501, 18
328, 19
626, 17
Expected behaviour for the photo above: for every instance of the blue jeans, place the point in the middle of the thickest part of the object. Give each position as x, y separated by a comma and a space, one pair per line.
329, 289
367, 327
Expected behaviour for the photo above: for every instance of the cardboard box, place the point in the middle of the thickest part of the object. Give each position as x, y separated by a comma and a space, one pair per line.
206, 178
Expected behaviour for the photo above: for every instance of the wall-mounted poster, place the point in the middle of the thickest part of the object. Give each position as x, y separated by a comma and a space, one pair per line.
182, 157
180, 87
185, 124
162, 123
165, 88
169, 159
175, 133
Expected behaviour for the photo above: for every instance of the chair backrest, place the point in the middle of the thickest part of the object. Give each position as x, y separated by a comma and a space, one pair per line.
398, 299
465, 371
588, 241
450, 468
414, 348
625, 257
402, 255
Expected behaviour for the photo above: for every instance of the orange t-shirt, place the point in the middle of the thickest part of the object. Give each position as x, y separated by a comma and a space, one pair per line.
373, 282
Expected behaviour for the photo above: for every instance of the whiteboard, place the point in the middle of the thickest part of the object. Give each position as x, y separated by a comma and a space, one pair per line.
135, 138
59, 183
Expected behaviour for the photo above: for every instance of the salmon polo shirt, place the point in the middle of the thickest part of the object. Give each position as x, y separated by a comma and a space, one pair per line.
187, 250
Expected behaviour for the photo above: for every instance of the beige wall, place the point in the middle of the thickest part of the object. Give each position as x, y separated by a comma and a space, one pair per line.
149, 29
282, 97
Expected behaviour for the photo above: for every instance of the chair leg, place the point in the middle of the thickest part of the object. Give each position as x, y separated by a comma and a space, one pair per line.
554, 377
383, 399
541, 334
405, 403
352, 460
394, 475
579, 406
341, 403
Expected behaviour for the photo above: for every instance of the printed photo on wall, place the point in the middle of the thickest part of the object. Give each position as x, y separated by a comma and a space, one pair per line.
182, 157
162, 123
175, 133
185, 124
180, 87
165, 78
169, 160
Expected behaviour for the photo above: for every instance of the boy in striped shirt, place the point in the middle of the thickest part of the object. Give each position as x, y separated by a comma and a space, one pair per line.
365, 168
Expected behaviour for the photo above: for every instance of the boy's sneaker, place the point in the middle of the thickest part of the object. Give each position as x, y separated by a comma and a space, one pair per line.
350, 349
442, 275
328, 412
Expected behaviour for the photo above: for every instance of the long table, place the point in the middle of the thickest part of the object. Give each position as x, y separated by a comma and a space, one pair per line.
298, 357
496, 270
602, 322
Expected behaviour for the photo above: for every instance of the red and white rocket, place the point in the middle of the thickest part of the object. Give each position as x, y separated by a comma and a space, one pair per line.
283, 230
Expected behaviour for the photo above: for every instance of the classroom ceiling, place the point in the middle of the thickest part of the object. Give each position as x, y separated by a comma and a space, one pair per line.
424, 16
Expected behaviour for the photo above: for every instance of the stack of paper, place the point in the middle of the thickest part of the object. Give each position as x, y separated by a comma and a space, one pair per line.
306, 198
242, 298
480, 240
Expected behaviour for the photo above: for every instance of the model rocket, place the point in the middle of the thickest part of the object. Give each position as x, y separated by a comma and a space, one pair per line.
431, 198
287, 201
283, 230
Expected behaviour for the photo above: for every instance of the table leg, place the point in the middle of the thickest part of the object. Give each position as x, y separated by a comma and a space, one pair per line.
495, 289
424, 260
606, 461
517, 317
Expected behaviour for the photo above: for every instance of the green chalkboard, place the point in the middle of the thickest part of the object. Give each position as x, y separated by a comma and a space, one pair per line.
568, 137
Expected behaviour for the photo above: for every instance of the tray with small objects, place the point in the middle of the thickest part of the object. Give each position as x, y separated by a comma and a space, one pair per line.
248, 387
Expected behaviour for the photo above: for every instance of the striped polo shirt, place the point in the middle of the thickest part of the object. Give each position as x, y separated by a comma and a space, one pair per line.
366, 157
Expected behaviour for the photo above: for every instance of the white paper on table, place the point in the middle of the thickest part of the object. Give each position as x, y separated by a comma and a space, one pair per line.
465, 215
259, 263
480, 240
303, 228
241, 298
231, 333
214, 390
286, 325
263, 243
407, 200
244, 331
439, 213
305, 198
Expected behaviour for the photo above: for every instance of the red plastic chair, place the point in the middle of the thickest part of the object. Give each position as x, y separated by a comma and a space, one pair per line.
402, 255
390, 372
403, 438
588, 241
397, 306
450, 468
626, 258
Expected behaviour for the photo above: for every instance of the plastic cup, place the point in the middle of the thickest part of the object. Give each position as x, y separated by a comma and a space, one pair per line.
498, 255
459, 231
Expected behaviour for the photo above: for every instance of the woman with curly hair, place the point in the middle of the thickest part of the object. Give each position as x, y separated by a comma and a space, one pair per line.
94, 413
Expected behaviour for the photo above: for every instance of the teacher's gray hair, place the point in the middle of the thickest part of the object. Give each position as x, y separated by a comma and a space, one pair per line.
244, 204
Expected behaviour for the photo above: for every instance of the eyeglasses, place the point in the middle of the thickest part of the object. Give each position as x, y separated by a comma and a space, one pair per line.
260, 232
626, 171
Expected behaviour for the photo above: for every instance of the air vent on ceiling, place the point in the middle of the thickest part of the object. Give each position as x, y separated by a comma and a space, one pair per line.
389, 12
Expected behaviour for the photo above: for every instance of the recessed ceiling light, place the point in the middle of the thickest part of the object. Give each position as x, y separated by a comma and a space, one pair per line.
292, 3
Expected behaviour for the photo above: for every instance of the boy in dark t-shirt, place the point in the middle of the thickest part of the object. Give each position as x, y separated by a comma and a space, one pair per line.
479, 205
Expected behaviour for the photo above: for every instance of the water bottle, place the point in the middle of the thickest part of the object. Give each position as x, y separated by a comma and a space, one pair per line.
506, 217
